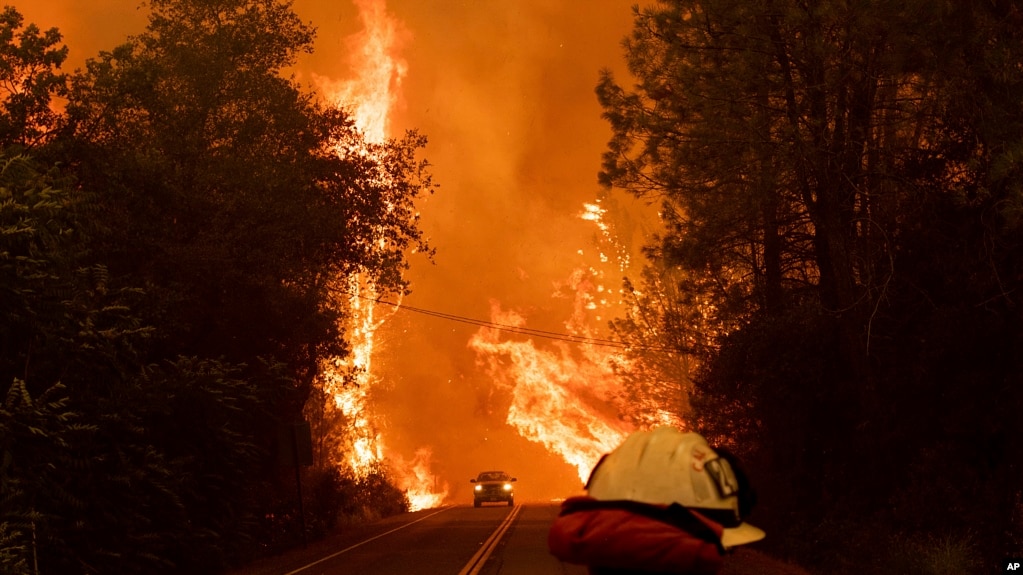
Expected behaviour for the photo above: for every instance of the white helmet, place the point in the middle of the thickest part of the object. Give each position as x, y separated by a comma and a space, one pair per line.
666, 466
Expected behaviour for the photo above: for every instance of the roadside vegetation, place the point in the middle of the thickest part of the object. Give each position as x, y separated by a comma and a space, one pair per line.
173, 218
841, 186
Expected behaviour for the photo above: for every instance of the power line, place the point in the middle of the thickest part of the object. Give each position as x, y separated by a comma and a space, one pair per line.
567, 337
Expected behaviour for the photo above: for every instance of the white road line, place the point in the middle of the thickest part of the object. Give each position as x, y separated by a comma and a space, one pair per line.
475, 564
347, 549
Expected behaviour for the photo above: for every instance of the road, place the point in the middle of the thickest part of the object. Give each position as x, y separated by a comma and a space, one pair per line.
458, 540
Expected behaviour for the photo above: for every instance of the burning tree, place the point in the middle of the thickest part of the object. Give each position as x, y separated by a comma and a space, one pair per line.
224, 183
344, 386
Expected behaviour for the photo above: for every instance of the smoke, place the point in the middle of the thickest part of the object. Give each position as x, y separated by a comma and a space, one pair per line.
505, 93
87, 27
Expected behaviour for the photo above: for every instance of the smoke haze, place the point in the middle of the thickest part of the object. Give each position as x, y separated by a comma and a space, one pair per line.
505, 93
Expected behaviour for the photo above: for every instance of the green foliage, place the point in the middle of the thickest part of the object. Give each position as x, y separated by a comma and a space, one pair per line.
13, 551
943, 555
55, 303
110, 442
38, 228
151, 484
871, 546
373, 496
181, 448
38, 436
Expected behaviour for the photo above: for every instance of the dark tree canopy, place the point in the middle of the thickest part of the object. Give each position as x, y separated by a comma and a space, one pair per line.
29, 80
172, 265
841, 186
232, 190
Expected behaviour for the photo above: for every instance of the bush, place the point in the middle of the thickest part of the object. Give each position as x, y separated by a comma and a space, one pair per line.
372, 497
329, 498
14, 551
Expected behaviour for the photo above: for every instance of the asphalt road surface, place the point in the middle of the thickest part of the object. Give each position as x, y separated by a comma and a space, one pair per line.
457, 540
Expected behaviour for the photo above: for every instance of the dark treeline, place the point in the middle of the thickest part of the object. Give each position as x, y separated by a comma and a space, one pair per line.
176, 222
842, 187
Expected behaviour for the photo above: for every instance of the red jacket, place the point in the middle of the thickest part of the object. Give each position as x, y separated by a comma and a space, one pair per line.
636, 536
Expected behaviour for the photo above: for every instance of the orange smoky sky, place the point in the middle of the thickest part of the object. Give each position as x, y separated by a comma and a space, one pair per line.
505, 93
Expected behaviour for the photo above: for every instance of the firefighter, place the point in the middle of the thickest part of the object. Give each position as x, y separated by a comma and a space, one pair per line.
662, 502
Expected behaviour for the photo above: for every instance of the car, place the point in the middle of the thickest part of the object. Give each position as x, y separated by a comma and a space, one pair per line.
493, 486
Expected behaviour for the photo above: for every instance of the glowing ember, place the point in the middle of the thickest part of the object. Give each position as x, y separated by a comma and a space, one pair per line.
572, 398
596, 213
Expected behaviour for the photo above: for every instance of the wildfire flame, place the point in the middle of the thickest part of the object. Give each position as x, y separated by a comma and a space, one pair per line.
595, 213
351, 397
562, 398
422, 488
378, 71
568, 397
549, 391
369, 97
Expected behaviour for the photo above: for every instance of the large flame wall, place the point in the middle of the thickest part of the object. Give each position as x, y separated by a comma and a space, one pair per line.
505, 93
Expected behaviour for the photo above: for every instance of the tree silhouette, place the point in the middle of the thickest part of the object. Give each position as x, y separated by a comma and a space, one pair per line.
838, 186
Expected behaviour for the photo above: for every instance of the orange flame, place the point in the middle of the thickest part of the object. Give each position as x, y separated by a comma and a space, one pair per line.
379, 71
351, 397
421, 486
559, 399
571, 398
370, 97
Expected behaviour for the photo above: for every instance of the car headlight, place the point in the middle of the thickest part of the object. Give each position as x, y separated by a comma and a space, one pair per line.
507, 486
479, 488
